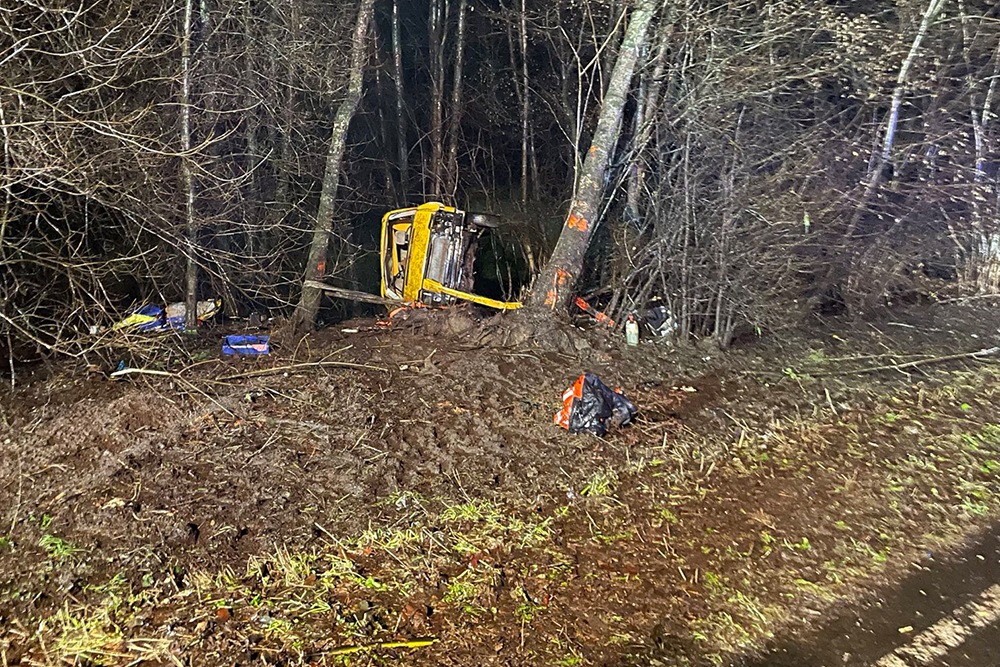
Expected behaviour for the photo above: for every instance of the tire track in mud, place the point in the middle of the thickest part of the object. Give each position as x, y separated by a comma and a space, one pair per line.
947, 613
950, 633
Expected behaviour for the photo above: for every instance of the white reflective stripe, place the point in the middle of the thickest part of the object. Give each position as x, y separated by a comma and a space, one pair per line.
947, 634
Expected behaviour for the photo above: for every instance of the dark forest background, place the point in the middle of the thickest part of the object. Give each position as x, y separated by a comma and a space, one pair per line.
776, 158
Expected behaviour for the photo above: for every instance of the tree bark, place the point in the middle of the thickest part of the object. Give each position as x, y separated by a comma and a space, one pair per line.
187, 178
554, 286
525, 102
305, 312
455, 117
647, 105
437, 38
402, 152
892, 120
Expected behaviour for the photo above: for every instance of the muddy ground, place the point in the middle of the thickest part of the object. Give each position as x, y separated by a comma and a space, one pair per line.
400, 495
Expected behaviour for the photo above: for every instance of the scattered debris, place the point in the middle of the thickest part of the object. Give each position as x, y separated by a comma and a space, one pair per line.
402, 312
602, 318
590, 405
661, 322
153, 318
631, 331
246, 346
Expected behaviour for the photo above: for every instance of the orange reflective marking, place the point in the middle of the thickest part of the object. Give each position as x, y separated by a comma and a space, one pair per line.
577, 222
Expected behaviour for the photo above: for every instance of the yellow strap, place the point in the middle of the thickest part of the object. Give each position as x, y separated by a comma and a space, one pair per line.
435, 286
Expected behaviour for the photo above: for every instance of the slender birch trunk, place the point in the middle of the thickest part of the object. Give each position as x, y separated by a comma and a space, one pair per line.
892, 120
981, 265
647, 105
187, 177
305, 312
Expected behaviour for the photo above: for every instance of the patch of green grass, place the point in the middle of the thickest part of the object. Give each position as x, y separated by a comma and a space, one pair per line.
56, 547
462, 592
880, 556
890, 417
571, 660
816, 356
601, 483
525, 612
767, 541
94, 636
814, 589
721, 629
990, 466
280, 629
667, 515
801, 545
977, 498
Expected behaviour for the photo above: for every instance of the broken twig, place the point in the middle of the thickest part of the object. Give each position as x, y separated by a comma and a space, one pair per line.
978, 354
301, 367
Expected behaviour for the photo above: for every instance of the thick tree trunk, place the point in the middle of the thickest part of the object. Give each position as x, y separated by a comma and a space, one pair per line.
554, 286
305, 313
187, 178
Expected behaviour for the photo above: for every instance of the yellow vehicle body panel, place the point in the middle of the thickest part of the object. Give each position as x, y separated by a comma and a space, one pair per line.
403, 277
416, 262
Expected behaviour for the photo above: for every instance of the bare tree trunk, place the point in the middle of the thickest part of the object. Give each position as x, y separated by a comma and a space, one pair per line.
647, 104
455, 118
279, 208
402, 154
187, 178
437, 39
888, 139
386, 133
981, 266
525, 103
554, 286
305, 312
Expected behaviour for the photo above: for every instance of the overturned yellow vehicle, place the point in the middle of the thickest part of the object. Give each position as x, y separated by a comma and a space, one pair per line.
427, 255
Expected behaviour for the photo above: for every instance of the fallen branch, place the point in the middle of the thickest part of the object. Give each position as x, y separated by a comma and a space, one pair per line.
148, 371
301, 367
349, 294
143, 371
963, 299
985, 352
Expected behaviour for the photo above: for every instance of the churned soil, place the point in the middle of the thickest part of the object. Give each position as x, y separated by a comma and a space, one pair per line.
400, 494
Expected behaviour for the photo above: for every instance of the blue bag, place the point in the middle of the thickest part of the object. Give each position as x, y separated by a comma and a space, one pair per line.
247, 346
